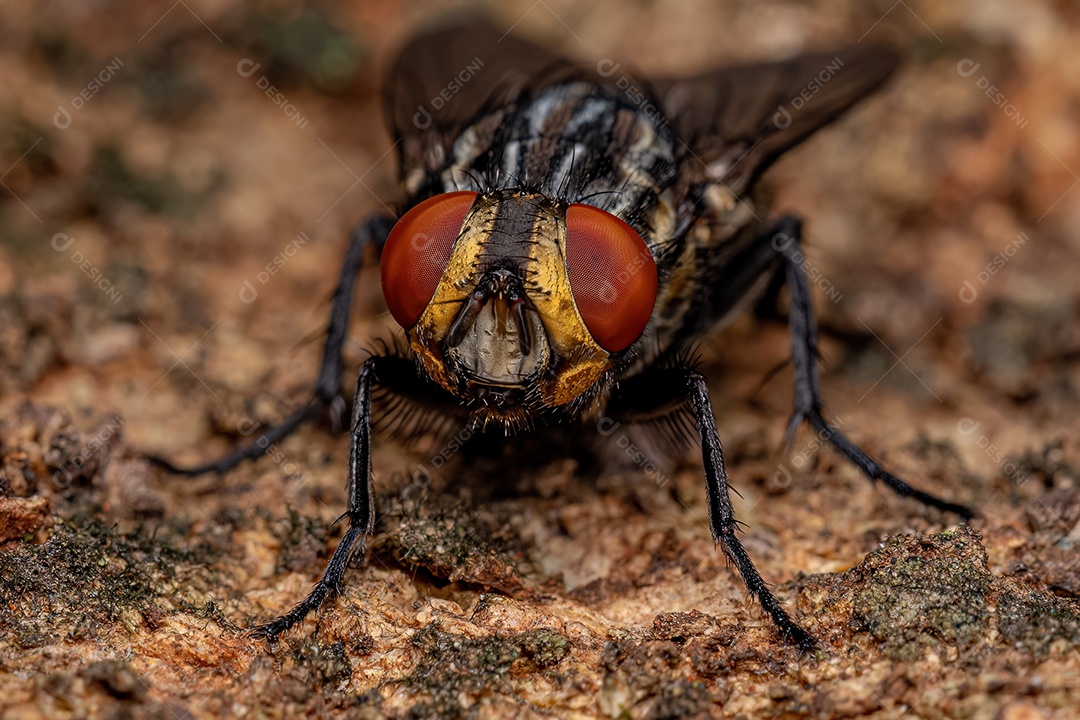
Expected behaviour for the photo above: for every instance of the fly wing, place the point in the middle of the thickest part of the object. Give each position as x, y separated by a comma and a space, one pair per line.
737, 120
446, 78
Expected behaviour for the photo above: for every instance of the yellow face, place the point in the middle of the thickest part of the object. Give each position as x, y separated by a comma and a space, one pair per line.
560, 361
516, 303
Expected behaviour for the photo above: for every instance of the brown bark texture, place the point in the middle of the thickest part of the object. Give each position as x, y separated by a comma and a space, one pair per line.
179, 183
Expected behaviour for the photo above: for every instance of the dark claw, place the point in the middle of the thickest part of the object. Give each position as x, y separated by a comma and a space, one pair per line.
470, 310
523, 329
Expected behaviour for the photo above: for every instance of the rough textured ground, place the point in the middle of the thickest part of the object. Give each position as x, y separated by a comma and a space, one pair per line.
130, 222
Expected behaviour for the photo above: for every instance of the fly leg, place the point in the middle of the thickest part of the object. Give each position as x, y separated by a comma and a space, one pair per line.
659, 392
389, 372
373, 231
784, 237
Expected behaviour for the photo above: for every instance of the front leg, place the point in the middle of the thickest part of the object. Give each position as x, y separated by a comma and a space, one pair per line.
661, 391
361, 510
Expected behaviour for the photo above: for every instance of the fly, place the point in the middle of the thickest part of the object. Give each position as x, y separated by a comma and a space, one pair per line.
567, 233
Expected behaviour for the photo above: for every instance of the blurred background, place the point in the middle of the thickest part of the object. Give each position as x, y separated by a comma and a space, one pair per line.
177, 182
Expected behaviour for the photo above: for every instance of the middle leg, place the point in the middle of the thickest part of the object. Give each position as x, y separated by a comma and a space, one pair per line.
660, 391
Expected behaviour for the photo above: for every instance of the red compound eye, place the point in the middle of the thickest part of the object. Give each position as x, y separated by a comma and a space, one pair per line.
612, 276
417, 251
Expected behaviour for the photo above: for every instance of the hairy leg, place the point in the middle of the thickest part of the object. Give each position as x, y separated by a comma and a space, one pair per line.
390, 372
662, 391
784, 237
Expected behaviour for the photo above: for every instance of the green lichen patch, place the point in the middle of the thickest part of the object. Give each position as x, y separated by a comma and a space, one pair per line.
920, 596
307, 47
87, 575
545, 648
453, 544
1038, 623
455, 668
301, 542
658, 679
916, 593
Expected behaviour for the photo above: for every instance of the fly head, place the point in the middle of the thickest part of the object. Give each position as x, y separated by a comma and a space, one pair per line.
515, 302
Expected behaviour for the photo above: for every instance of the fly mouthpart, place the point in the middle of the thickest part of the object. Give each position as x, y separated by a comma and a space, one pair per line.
496, 336
517, 306
470, 310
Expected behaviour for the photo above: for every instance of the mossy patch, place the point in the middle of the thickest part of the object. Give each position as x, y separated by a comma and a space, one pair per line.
657, 679
454, 667
917, 593
112, 180
307, 48
301, 541
454, 544
87, 575
1037, 622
